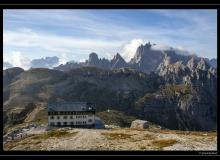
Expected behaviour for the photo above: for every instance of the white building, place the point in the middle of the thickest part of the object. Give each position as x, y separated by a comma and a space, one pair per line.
72, 114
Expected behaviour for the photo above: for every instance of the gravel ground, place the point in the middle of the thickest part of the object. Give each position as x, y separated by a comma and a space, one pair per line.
118, 139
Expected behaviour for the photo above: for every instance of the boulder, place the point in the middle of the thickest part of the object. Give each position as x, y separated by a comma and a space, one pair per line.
140, 124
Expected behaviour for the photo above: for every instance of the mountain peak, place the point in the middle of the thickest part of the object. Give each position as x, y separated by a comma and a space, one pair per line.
118, 56
192, 63
202, 64
93, 59
118, 62
148, 45
93, 55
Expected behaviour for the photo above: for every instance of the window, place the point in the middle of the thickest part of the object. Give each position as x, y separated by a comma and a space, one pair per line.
90, 120
52, 117
58, 123
64, 123
52, 123
58, 117
64, 117
71, 123
71, 117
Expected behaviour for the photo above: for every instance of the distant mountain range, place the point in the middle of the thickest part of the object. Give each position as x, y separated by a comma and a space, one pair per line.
48, 62
146, 59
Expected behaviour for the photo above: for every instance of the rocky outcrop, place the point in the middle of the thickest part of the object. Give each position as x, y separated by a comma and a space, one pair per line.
189, 98
93, 59
212, 62
140, 124
146, 59
180, 107
118, 62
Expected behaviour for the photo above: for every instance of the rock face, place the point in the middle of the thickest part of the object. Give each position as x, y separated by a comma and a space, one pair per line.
93, 59
140, 124
212, 62
118, 62
146, 59
189, 98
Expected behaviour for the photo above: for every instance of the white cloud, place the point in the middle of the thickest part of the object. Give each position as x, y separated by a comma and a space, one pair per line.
63, 58
179, 49
18, 60
160, 47
82, 60
60, 44
129, 49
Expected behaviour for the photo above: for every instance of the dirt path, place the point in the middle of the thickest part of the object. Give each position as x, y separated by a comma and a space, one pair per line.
33, 114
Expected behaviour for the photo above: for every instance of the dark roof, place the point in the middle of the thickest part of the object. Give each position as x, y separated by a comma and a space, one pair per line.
69, 106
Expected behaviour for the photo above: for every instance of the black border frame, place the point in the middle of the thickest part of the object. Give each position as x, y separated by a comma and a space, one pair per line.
112, 6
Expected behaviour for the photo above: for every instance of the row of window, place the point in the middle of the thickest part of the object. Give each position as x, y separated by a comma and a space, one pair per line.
66, 117
71, 113
66, 123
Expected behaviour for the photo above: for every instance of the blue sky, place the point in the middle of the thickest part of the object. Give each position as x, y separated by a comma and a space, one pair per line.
73, 34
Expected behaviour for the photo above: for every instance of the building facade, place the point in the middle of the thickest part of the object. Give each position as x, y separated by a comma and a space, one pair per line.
71, 114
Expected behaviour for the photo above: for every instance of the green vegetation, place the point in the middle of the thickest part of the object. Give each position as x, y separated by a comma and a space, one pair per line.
147, 98
35, 140
181, 88
148, 136
163, 143
115, 117
116, 136
41, 117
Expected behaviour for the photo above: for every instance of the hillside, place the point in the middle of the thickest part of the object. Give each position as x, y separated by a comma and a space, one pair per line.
117, 89
170, 98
